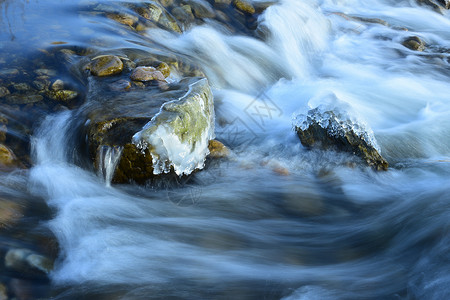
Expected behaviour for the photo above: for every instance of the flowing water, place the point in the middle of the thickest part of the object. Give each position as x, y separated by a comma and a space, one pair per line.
276, 220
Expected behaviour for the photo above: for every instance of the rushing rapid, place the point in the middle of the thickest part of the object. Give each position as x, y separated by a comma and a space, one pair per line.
276, 220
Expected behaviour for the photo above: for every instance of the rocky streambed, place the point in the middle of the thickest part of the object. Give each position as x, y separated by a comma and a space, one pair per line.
140, 114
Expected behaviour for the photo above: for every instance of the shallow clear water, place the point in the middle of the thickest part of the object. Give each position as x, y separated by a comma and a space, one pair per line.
275, 221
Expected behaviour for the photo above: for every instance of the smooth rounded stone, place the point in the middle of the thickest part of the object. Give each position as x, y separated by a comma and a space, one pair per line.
106, 65
45, 72
169, 23
201, 8
183, 14
163, 68
21, 87
146, 74
10, 213
27, 261
123, 18
4, 91
151, 12
218, 150
9, 72
41, 83
39, 262
140, 27
222, 2
62, 95
120, 85
166, 3
244, 6
7, 158
414, 43
23, 99
57, 85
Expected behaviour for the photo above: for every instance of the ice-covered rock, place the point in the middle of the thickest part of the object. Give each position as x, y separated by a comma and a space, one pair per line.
331, 126
140, 134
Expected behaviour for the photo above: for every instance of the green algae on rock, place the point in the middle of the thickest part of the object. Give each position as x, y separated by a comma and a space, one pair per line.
178, 136
185, 112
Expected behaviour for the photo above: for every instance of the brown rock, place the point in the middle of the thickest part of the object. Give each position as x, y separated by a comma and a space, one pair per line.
57, 85
201, 8
7, 158
120, 85
218, 150
10, 213
123, 18
222, 2
106, 65
146, 74
414, 43
63, 95
244, 6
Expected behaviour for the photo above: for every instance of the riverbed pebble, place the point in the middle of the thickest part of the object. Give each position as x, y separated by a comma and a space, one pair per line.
244, 6
146, 74
106, 65
7, 157
3, 91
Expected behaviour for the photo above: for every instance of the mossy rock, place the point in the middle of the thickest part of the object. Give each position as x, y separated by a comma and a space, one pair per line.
114, 118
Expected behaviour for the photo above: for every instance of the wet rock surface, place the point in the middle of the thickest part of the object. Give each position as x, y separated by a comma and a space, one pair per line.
335, 130
106, 65
437, 5
414, 43
113, 124
218, 149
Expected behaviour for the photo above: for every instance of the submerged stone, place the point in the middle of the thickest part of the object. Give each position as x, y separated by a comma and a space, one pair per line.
7, 158
23, 98
106, 65
146, 74
414, 43
201, 8
3, 91
336, 130
10, 213
62, 95
28, 262
123, 18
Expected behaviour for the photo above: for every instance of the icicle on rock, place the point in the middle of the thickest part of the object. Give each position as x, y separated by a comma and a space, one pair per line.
332, 127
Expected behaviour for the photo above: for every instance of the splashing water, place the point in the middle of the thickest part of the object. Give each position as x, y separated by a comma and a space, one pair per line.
277, 221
